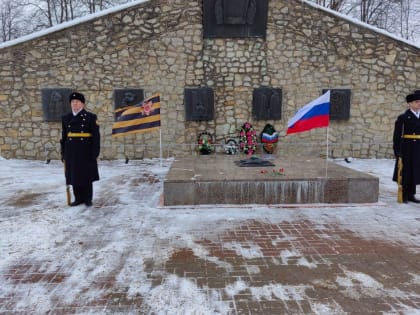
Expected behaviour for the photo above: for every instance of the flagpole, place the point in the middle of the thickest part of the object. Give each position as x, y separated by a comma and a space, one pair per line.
326, 156
160, 145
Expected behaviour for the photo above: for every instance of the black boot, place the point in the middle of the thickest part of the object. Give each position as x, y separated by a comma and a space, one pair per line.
76, 203
413, 199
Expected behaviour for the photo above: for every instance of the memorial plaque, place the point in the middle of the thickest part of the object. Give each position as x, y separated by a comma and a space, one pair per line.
340, 103
234, 18
266, 104
127, 97
199, 104
55, 103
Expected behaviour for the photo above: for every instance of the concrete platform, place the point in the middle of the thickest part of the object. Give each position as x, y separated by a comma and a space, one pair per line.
216, 179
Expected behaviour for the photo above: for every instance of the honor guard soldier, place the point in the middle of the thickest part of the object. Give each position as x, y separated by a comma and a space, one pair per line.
80, 146
406, 145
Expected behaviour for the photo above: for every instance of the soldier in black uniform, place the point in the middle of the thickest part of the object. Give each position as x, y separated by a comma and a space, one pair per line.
406, 144
80, 145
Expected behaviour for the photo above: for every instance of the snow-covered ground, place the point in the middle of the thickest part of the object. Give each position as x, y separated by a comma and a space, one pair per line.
128, 218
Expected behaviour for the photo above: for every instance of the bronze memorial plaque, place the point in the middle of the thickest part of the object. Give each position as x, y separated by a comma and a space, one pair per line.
340, 104
199, 104
55, 103
234, 18
266, 103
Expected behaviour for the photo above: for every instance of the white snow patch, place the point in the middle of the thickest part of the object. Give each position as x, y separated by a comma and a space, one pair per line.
304, 262
236, 288
279, 291
358, 279
181, 296
248, 251
326, 309
286, 254
252, 269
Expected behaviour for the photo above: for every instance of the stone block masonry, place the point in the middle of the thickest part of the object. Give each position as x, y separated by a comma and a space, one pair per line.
158, 46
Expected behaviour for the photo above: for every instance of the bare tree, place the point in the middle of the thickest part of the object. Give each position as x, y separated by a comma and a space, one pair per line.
336, 4
395, 16
20, 17
407, 11
371, 11
40, 13
98, 5
332, 4
9, 20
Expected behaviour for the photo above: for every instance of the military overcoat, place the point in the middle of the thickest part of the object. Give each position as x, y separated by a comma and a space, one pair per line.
409, 149
80, 147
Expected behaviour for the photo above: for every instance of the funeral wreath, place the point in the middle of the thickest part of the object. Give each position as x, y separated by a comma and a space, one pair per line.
248, 139
205, 141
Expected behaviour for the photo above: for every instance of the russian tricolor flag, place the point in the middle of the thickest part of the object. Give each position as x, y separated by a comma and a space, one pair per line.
316, 114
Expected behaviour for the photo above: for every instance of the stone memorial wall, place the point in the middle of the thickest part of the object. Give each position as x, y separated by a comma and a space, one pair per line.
159, 46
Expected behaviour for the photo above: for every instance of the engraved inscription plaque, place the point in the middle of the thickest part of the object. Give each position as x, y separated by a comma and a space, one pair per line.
340, 104
55, 103
266, 103
235, 11
234, 18
127, 97
199, 104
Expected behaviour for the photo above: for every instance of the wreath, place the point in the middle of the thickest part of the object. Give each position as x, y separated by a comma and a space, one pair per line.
205, 143
269, 138
248, 139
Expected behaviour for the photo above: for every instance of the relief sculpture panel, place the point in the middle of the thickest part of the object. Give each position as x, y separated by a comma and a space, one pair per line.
234, 18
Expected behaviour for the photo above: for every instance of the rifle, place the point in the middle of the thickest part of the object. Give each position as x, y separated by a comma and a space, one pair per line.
68, 195
67, 187
400, 198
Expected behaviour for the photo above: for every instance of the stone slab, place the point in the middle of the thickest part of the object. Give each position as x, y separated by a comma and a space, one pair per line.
216, 179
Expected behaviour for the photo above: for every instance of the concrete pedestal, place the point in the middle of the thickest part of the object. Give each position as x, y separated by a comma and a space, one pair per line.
216, 179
